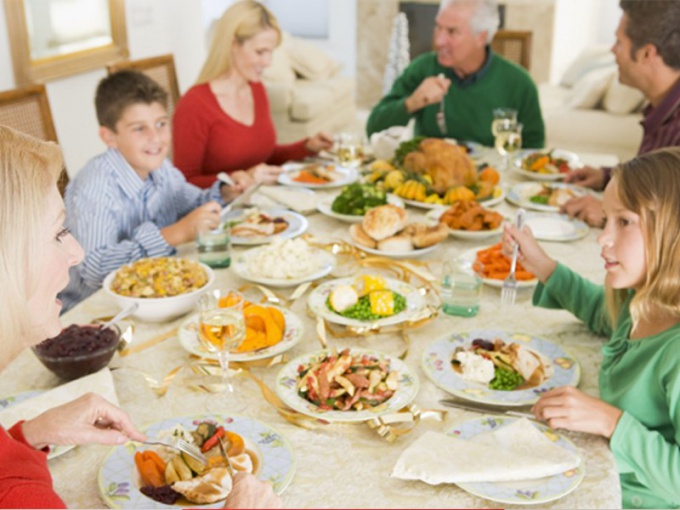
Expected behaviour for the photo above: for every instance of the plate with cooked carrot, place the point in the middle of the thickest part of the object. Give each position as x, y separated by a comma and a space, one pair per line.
546, 165
497, 266
317, 175
270, 330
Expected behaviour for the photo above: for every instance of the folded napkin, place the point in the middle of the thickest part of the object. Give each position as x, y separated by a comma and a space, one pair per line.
518, 451
100, 382
300, 200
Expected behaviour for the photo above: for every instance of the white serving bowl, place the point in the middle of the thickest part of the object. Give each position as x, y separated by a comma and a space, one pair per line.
160, 309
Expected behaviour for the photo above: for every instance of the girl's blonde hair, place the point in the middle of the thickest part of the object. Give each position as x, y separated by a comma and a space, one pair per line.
239, 23
29, 168
648, 186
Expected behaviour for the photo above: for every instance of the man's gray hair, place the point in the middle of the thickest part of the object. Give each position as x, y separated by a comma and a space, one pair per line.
485, 18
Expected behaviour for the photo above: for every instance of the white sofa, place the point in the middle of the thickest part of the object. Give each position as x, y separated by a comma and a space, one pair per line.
589, 111
306, 91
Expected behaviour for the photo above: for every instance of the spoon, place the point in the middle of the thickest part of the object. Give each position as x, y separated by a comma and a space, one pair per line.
224, 177
121, 315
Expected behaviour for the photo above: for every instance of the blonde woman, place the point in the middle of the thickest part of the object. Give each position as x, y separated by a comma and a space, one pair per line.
36, 252
639, 309
223, 123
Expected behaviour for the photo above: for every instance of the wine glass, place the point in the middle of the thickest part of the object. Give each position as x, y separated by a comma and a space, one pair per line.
221, 329
508, 139
349, 149
501, 114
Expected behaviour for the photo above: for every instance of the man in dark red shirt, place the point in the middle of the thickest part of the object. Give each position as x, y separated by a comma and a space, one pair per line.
647, 51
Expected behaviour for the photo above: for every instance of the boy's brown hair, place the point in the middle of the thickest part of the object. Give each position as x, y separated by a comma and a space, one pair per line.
122, 89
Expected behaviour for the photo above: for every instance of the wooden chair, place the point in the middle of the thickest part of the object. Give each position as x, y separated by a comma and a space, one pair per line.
160, 69
515, 45
28, 110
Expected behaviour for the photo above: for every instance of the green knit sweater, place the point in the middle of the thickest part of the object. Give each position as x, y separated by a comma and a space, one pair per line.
642, 378
468, 109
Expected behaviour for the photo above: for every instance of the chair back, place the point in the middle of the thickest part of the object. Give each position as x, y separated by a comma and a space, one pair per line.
28, 110
161, 69
515, 45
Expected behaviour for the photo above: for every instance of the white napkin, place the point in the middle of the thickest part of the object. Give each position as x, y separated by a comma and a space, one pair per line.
100, 382
518, 451
301, 201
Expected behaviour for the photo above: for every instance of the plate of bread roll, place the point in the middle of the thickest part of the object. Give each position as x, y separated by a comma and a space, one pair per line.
384, 231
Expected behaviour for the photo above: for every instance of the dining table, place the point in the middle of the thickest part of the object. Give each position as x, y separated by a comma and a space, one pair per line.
341, 464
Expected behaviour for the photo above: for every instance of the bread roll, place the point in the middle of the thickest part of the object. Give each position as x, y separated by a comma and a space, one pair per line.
360, 237
396, 244
423, 235
384, 221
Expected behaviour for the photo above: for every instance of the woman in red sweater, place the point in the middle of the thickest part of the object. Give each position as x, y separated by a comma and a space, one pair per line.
36, 252
223, 123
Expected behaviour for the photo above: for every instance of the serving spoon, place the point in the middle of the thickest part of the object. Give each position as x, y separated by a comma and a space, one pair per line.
121, 315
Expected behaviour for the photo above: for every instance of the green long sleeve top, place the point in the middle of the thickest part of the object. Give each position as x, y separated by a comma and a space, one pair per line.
468, 106
642, 378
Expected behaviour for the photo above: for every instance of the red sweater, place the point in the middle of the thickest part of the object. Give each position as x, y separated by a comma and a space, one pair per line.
25, 481
207, 141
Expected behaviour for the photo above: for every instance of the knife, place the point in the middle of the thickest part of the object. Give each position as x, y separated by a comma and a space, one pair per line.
242, 198
226, 458
478, 408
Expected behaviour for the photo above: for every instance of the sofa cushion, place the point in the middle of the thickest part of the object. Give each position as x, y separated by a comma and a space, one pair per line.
589, 90
593, 57
310, 98
622, 99
310, 62
281, 68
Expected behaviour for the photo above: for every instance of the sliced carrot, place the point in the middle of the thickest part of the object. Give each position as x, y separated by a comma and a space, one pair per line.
151, 455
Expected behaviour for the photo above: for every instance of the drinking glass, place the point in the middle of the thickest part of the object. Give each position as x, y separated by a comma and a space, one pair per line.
349, 149
508, 139
214, 246
462, 287
221, 329
501, 114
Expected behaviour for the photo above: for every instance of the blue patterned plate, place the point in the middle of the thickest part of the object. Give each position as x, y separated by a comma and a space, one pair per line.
527, 492
13, 400
406, 391
275, 460
436, 363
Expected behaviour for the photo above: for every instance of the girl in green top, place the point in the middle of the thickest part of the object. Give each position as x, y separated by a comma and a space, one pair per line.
639, 308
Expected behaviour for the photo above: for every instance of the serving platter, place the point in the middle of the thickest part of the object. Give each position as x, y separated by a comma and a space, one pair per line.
471, 256
411, 254
526, 492
473, 235
118, 479
325, 207
497, 198
406, 391
556, 227
436, 363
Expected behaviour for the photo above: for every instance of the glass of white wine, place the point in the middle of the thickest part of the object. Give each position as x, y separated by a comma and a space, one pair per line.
349, 149
221, 329
508, 140
500, 115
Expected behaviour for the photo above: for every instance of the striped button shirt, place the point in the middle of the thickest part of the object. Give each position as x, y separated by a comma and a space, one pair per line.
117, 217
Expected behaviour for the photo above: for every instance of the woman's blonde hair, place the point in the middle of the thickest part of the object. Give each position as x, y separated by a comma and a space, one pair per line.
29, 168
239, 23
649, 185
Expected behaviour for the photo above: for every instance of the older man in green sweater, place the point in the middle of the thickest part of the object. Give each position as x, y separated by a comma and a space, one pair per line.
467, 76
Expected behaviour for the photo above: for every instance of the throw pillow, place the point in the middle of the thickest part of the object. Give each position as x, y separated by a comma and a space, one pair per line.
593, 57
589, 90
309, 61
281, 68
622, 99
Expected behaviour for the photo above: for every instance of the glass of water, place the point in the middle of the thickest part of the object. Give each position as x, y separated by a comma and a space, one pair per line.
462, 287
214, 246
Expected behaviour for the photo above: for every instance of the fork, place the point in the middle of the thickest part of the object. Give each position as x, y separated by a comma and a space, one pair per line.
509, 291
441, 119
182, 446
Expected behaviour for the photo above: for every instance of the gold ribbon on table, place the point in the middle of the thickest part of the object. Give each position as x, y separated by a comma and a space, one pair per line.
149, 343
276, 299
407, 419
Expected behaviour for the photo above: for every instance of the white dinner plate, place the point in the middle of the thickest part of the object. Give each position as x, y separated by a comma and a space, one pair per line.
433, 218
406, 391
471, 255
118, 478
317, 303
524, 492
188, 338
325, 207
349, 175
436, 363
497, 198
520, 194
18, 398
571, 157
411, 254
325, 266
474, 149
556, 227
297, 225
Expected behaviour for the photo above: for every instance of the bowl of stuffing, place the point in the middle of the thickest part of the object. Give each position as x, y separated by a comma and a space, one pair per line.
164, 287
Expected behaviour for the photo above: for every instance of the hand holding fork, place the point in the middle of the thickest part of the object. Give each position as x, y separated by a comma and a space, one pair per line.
509, 290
